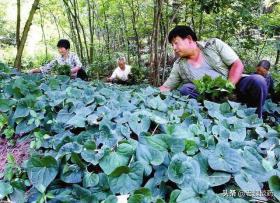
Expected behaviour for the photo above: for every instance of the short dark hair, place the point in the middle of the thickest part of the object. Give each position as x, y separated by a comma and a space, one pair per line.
63, 43
265, 64
182, 31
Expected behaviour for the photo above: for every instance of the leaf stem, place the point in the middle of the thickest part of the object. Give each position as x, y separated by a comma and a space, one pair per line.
155, 129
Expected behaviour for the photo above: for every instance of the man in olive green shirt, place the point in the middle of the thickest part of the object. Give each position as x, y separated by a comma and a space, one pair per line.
214, 58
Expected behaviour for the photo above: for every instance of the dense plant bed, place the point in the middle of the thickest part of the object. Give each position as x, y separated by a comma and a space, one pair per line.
91, 142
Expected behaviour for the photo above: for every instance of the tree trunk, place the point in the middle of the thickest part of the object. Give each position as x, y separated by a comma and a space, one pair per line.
26, 29
43, 35
72, 33
18, 24
56, 23
154, 51
277, 57
77, 16
91, 29
193, 14
134, 21
126, 33
163, 55
107, 39
74, 22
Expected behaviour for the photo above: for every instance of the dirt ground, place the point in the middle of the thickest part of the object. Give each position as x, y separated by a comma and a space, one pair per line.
20, 151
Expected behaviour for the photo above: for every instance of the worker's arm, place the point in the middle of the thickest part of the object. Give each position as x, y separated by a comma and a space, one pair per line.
235, 71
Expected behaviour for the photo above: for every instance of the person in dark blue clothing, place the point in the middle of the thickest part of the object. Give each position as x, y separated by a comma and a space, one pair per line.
262, 85
263, 69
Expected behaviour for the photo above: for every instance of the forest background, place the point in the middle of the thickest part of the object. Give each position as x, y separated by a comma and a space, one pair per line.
100, 31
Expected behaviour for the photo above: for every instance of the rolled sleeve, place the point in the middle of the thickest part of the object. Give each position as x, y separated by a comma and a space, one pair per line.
227, 54
174, 78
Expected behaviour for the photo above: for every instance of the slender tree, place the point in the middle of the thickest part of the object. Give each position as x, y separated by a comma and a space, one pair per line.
26, 29
18, 24
155, 42
43, 34
90, 6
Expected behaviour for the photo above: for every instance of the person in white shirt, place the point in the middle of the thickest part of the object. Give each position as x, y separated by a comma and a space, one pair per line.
121, 73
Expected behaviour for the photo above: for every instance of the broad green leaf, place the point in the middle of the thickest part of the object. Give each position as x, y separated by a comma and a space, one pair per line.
219, 178
18, 196
111, 199
158, 104
221, 132
41, 171
187, 196
5, 189
92, 119
69, 148
84, 111
105, 137
139, 123
23, 127
261, 131
4, 105
248, 184
125, 179
63, 116
83, 195
100, 100
149, 155
143, 191
183, 169
77, 121
92, 156
198, 191
136, 198
141, 195
274, 186
113, 160
158, 142
190, 147
71, 174
60, 139
148, 91
90, 145
238, 132
225, 159
90, 179
269, 143
254, 166
174, 195
252, 121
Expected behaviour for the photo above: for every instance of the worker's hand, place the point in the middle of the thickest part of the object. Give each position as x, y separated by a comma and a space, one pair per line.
75, 70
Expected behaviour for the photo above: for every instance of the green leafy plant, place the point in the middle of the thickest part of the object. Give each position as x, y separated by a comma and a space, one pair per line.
102, 66
61, 69
4, 68
140, 74
93, 141
217, 89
